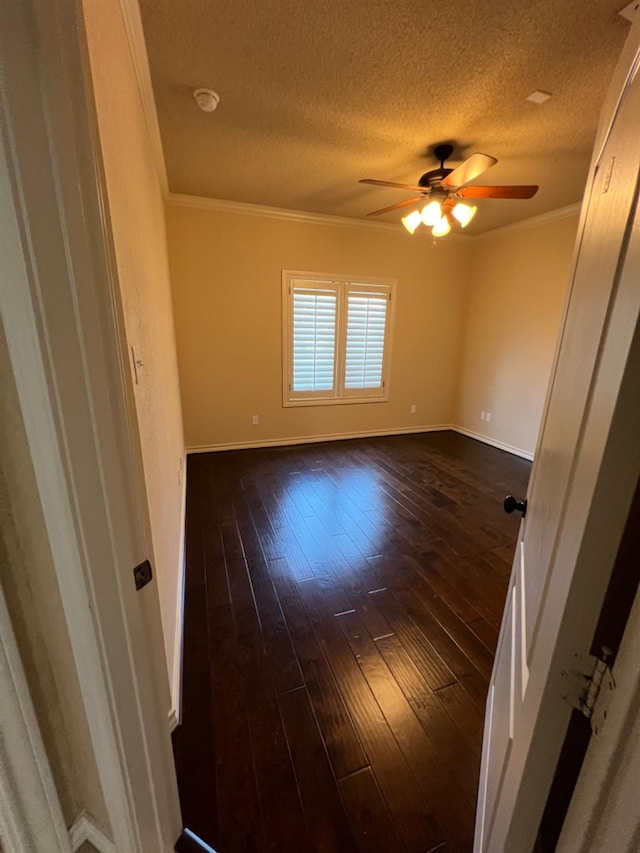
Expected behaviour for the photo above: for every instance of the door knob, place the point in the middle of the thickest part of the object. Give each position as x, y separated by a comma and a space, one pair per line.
510, 504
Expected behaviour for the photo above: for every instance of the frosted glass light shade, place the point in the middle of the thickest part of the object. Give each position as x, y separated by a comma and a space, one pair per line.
411, 221
464, 213
431, 213
441, 227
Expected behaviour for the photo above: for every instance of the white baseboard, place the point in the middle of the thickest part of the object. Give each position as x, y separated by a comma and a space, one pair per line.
84, 829
314, 439
501, 445
174, 719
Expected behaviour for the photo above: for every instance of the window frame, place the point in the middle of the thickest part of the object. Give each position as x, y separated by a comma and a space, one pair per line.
342, 285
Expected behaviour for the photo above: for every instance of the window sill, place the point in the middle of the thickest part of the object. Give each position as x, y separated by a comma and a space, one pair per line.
340, 401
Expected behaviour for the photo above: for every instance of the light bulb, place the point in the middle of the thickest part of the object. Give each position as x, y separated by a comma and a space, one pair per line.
411, 221
464, 213
441, 227
431, 213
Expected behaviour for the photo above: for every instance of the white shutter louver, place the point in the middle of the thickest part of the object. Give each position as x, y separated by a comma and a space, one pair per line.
314, 339
336, 339
366, 324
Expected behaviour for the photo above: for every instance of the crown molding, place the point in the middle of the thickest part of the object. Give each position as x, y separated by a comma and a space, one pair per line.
533, 221
219, 205
138, 49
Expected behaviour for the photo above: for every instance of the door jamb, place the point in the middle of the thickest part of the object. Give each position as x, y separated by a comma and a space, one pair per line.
62, 316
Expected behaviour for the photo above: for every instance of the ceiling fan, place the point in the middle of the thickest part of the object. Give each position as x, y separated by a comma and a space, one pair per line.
442, 188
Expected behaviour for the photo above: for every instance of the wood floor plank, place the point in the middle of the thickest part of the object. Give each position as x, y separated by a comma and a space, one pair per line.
238, 804
282, 659
441, 794
418, 829
342, 742
328, 826
434, 669
307, 730
282, 815
368, 815
435, 719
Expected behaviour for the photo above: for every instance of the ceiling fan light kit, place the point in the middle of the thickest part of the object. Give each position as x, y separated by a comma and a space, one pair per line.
431, 213
441, 188
464, 213
441, 228
412, 220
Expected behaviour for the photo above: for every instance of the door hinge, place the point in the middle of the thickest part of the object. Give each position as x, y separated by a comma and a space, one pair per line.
600, 685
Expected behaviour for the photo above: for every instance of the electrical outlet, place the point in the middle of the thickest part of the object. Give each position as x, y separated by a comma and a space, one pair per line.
256, 420
488, 417
483, 415
413, 409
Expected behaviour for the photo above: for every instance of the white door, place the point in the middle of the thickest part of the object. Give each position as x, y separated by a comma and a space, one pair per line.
578, 482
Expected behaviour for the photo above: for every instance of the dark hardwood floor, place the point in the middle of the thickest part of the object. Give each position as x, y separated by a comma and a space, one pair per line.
343, 603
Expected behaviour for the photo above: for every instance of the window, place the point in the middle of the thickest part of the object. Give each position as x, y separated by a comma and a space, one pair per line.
336, 339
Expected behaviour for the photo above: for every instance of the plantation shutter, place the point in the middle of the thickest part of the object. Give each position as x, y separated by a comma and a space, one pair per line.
367, 311
314, 314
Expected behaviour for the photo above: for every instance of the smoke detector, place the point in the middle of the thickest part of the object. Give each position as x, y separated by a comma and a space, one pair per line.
207, 99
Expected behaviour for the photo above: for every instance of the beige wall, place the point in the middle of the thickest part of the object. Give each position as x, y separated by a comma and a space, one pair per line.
137, 217
226, 275
514, 303
30, 586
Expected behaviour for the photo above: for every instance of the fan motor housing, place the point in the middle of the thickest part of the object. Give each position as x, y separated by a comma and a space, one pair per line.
433, 178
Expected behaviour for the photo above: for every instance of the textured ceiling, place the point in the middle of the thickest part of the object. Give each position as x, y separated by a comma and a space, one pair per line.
315, 95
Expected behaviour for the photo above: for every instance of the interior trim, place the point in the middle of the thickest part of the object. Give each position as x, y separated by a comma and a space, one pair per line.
343, 436
30, 812
313, 439
222, 206
219, 205
175, 712
174, 722
83, 829
493, 442
138, 48
533, 221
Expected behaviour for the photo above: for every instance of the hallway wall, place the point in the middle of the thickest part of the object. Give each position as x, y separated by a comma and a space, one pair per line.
136, 210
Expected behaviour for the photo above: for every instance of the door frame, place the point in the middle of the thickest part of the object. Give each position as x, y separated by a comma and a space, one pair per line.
61, 311
30, 812
604, 813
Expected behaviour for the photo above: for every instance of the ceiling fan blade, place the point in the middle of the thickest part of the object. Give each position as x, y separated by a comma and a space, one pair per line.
392, 184
395, 206
472, 168
497, 192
